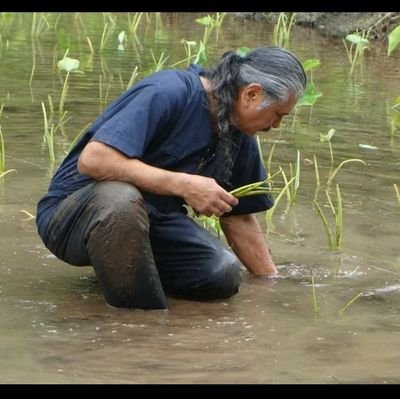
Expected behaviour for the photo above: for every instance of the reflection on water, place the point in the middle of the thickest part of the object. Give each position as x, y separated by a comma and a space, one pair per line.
56, 327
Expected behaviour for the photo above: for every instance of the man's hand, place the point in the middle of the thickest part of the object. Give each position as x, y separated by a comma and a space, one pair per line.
206, 196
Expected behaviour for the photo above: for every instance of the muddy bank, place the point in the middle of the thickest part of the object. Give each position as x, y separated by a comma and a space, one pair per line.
340, 23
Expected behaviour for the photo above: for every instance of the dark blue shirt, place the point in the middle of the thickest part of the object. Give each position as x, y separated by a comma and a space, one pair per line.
164, 121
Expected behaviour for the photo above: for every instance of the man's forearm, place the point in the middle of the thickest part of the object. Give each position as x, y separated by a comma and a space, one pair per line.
204, 194
245, 237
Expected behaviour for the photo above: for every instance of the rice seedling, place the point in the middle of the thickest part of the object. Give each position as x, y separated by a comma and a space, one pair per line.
269, 159
334, 240
159, 64
293, 187
133, 78
355, 53
48, 134
332, 172
282, 29
188, 50
260, 187
39, 23
314, 294
270, 212
133, 21
396, 189
337, 267
50, 128
3, 170
107, 30
29, 215
345, 307
77, 137
201, 56
335, 172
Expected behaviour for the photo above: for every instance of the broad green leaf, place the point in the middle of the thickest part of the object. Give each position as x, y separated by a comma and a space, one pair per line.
309, 96
356, 39
311, 64
205, 20
394, 39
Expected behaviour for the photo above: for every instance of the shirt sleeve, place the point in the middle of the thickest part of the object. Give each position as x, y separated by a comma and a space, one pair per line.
249, 168
136, 121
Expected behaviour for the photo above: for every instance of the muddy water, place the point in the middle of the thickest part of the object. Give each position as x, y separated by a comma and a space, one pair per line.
55, 326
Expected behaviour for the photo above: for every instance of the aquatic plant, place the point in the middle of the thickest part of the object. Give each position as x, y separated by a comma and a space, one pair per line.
345, 307
270, 212
332, 173
293, 187
159, 64
132, 78
210, 23
77, 137
39, 23
48, 134
3, 170
395, 116
314, 293
334, 240
396, 189
355, 52
310, 94
133, 21
393, 40
187, 44
282, 29
69, 65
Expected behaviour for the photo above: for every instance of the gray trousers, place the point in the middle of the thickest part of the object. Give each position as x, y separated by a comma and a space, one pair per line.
138, 254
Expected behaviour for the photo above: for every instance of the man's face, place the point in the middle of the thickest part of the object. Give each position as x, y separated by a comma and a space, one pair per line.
250, 117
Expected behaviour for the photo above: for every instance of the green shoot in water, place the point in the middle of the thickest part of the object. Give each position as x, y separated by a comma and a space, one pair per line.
396, 189
334, 242
3, 170
345, 307
314, 293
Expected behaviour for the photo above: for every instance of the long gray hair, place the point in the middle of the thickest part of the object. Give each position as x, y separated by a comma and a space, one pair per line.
276, 69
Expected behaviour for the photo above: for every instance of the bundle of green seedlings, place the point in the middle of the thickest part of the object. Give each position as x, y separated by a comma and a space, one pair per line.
260, 187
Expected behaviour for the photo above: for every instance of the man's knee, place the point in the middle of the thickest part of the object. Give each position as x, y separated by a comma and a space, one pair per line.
224, 280
220, 280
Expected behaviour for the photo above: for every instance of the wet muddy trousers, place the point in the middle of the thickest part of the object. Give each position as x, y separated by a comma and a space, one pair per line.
138, 254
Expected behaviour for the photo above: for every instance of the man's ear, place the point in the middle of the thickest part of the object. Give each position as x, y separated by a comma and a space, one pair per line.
250, 92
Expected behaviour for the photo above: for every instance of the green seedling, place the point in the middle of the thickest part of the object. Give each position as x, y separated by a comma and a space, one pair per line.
355, 52
282, 29
3, 170
333, 173
345, 307
314, 293
334, 240
396, 189
159, 64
